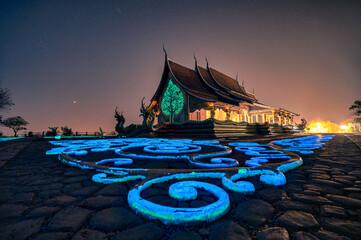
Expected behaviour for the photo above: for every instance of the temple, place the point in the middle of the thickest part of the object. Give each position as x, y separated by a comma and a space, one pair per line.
199, 94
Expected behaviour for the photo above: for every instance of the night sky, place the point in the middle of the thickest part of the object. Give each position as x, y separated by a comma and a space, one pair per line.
304, 56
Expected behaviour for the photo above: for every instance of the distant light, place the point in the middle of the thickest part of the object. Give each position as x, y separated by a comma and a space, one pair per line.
74, 102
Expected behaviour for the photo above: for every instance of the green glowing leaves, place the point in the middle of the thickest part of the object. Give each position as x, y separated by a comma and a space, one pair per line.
172, 101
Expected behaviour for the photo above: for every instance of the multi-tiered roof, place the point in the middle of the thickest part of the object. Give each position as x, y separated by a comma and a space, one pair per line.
206, 84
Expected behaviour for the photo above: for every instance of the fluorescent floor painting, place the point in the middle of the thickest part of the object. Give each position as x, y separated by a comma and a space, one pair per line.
206, 160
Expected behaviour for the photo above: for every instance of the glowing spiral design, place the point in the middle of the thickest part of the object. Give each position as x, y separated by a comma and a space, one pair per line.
303, 145
243, 144
271, 177
206, 142
218, 163
266, 161
116, 161
102, 178
257, 161
102, 149
185, 190
76, 153
172, 148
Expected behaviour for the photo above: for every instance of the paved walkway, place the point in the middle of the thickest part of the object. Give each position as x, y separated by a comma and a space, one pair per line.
9, 150
355, 138
44, 199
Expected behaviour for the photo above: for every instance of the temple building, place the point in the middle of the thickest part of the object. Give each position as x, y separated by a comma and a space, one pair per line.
199, 94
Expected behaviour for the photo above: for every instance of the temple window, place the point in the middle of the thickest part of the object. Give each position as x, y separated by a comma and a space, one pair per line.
259, 118
254, 119
208, 114
220, 115
193, 115
234, 117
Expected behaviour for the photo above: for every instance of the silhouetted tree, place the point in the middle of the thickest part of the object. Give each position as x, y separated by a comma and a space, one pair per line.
100, 133
53, 131
67, 131
357, 107
15, 123
5, 100
119, 127
303, 124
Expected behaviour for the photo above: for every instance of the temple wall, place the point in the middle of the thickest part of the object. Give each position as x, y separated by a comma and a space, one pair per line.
200, 115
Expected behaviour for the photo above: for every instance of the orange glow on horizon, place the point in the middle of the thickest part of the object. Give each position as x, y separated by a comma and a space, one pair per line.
326, 127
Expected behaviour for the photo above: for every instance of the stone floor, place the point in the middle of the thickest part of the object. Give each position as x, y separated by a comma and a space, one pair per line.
44, 199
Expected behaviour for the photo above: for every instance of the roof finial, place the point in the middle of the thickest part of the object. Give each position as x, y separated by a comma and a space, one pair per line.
253, 91
237, 77
242, 82
206, 60
165, 52
195, 59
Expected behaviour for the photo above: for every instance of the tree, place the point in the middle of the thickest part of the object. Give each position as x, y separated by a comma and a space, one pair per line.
303, 124
357, 107
172, 101
119, 127
15, 123
100, 133
53, 131
5, 100
67, 131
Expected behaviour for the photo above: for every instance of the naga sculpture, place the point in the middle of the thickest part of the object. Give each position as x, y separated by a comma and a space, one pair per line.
149, 116
119, 127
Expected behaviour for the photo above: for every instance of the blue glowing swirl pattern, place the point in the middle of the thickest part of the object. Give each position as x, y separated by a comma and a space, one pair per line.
266, 162
303, 145
185, 190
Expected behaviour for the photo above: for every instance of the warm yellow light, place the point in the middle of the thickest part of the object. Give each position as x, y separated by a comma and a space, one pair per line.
323, 127
346, 128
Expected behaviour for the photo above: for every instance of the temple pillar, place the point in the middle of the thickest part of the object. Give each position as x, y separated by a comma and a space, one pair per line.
263, 118
228, 114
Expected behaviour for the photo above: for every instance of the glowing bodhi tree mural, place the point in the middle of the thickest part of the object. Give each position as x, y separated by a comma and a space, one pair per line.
172, 101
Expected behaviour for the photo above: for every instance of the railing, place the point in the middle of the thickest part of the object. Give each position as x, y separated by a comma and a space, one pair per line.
43, 134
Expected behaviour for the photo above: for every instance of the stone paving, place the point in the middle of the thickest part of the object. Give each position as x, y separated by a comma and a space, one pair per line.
44, 199
9, 150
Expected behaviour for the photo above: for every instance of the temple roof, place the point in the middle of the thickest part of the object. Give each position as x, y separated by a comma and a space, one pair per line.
189, 78
208, 81
226, 81
209, 84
